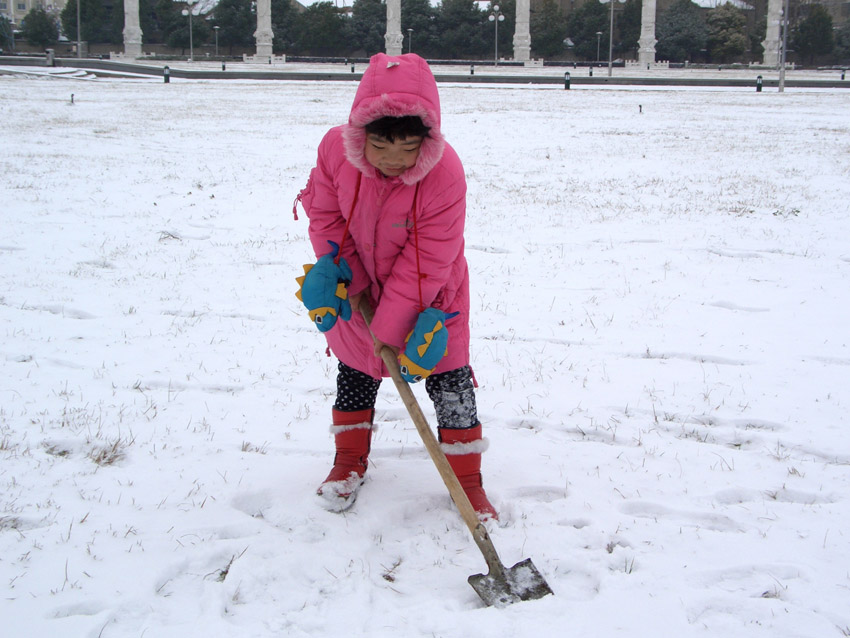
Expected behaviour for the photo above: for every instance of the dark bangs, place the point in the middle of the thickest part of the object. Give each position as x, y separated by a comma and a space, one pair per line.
393, 128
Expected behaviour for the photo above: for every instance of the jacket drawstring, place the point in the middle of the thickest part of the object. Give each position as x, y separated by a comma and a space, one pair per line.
350, 216
295, 204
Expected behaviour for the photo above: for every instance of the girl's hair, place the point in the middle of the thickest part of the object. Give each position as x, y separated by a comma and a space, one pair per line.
392, 128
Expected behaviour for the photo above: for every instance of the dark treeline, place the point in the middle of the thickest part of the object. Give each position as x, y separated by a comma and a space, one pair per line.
454, 29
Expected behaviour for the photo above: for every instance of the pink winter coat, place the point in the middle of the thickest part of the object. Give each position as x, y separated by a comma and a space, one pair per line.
385, 254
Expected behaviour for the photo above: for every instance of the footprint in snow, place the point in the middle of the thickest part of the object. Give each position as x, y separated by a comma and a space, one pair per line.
539, 493
655, 511
728, 305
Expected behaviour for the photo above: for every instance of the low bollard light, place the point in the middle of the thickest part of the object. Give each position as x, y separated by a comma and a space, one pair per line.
842, 73
224, 66
590, 72
566, 80
471, 69
166, 75
352, 67
758, 84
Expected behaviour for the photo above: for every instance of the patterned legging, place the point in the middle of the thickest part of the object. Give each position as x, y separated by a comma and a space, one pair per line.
452, 393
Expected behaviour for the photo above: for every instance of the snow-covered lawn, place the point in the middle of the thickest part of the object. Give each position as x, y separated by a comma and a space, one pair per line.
660, 333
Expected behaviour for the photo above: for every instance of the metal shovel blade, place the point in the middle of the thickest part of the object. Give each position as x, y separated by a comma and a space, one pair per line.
520, 582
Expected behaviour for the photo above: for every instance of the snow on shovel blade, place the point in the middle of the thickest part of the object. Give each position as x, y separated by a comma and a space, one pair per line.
520, 582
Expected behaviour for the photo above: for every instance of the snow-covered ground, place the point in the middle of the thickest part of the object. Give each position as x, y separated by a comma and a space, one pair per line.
660, 294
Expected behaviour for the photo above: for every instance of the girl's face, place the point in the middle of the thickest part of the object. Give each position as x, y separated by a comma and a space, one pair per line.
392, 158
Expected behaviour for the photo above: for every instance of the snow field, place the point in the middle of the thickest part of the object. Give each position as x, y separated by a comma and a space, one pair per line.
659, 332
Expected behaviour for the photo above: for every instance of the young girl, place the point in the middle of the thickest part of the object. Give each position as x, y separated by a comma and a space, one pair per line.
387, 203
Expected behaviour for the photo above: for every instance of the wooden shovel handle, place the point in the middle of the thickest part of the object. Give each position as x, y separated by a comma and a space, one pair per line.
461, 500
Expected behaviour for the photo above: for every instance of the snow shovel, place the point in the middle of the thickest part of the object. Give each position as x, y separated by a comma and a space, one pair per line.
501, 586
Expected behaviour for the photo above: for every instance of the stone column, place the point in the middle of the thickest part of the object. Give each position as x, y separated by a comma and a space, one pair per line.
772, 40
264, 34
646, 50
393, 39
132, 30
522, 34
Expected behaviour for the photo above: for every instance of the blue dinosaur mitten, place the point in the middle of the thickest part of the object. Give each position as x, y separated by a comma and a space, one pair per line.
324, 289
425, 345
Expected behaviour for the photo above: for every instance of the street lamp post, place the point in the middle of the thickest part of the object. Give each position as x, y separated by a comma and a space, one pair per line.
782, 58
598, 38
79, 35
611, 37
496, 17
216, 28
409, 40
188, 12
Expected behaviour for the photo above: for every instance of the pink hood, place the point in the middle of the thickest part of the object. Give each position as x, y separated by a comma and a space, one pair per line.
395, 86
407, 255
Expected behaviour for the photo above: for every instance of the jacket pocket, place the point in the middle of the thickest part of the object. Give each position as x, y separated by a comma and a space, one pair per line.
448, 293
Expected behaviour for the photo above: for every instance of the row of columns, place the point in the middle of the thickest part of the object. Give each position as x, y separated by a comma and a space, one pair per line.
646, 43
394, 38
133, 31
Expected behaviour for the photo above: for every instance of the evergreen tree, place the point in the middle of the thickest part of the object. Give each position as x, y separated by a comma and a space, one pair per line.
727, 33
168, 19
39, 28
68, 20
6, 35
152, 22
320, 30
420, 16
176, 25
813, 36
115, 26
147, 21
628, 29
95, 20
842, 44
283, 25
464, 31
367, 26
237, 22
757, 35
681, 32
548, 28
583, 25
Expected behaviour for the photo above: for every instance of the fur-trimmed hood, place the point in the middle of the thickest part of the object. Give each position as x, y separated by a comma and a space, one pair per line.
395, 86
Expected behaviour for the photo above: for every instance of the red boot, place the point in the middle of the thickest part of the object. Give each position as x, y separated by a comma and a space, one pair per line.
352, 435
463, 450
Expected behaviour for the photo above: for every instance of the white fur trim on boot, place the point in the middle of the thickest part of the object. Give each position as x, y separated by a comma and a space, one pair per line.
339, 429
473, 447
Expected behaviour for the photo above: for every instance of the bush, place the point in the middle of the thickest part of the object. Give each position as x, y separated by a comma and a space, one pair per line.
6, 37
39, 28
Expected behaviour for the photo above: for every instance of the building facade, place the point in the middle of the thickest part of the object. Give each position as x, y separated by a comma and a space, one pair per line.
15, 10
